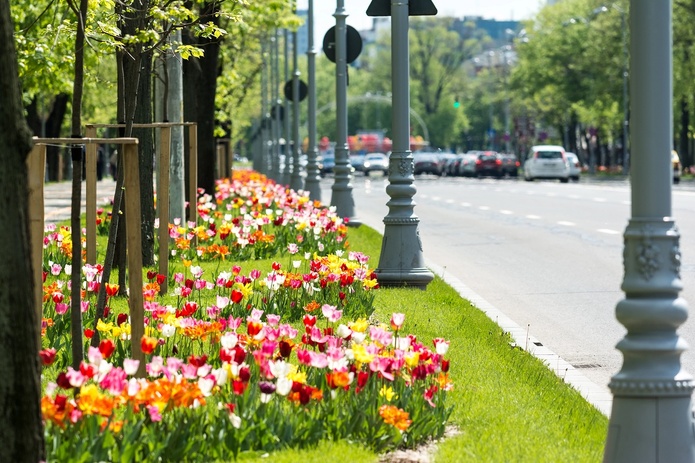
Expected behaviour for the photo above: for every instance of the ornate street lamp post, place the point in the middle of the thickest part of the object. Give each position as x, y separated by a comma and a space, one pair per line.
341, 196
651, 419
401, 262
313, 178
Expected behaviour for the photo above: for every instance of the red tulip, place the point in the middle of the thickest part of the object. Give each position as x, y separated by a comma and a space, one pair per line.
148, 344
48, 356
63, 381
107, 348
197, 361
237, 296
121, 318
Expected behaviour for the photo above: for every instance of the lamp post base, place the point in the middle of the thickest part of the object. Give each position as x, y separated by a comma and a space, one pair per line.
401, 262
650, 429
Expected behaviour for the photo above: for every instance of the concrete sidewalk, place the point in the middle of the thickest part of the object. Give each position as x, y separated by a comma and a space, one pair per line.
58, 198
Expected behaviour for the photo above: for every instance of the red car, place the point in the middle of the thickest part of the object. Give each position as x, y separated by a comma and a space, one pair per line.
488, 164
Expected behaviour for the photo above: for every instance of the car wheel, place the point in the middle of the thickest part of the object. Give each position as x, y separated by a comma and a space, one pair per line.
564, 180
676, 180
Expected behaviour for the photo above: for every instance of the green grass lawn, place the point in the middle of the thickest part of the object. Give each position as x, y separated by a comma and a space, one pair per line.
508, 406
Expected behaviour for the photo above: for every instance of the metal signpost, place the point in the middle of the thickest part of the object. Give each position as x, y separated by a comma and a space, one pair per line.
401, 262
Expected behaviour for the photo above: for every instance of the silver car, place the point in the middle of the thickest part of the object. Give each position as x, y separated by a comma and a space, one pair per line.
467, 166
376, 162
574, 165
546, 162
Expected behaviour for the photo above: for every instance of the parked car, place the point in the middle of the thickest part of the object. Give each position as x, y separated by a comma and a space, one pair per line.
510, 164
574, 165
488, 164
376, 162
445, 160
467, 167
357, 162
546, 162
426, 163
453, 168
677, 167
327, 165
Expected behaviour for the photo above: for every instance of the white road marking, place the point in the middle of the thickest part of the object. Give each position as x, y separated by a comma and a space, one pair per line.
484, 208
534, 217
567, 224
506, 212
600, 200
608, 231
466, 204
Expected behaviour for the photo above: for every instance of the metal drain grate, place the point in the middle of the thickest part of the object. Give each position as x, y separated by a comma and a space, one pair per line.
587, 365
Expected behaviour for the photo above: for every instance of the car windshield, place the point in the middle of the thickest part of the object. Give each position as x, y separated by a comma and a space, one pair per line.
548, 155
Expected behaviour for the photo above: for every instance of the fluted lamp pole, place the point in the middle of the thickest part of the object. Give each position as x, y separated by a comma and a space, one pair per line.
296, 180
341, 196
313, 178
401, 262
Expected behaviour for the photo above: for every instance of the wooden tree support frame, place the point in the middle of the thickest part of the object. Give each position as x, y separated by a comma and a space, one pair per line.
36, 164
225, 158
162, 186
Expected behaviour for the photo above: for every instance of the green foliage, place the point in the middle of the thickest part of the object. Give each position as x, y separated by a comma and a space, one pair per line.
571, 64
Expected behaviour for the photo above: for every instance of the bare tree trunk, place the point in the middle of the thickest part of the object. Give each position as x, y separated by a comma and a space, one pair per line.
128, 75
143, 114
686, 158
77, 153
21, 426
50, 128
200, 86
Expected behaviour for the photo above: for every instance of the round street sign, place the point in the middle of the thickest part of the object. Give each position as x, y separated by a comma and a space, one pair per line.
354, 44
277, 112
288, 90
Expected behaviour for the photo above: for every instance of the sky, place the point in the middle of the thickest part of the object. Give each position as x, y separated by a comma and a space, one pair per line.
356, 9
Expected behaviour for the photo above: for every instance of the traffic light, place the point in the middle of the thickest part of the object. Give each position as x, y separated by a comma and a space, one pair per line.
457, 103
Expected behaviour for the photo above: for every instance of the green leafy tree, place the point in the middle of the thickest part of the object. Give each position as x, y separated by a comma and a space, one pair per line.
683, 77
570, 71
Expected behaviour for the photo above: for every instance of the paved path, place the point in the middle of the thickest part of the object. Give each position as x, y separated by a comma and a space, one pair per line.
58, 198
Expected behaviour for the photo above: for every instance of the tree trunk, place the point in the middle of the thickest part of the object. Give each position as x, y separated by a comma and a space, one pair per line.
128, 65
143, 114
77, 153
21, 426
50, 128
684, 152
200, 86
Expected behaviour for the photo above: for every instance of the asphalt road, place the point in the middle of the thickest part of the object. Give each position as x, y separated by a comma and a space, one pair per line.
547, 255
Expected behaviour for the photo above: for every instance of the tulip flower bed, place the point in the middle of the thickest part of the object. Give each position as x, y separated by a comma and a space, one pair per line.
266, 340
